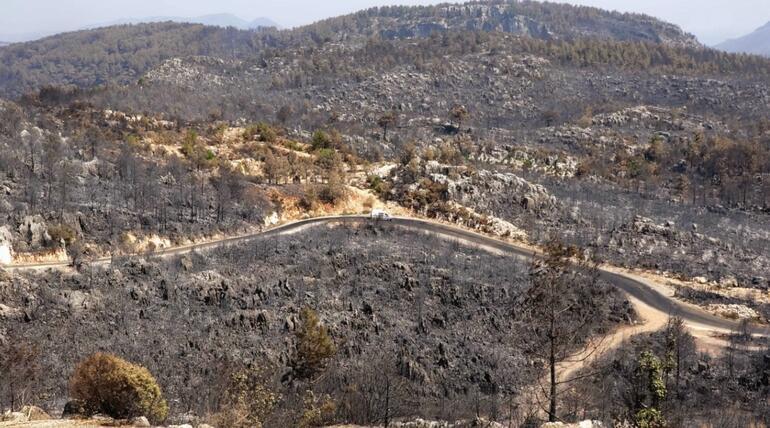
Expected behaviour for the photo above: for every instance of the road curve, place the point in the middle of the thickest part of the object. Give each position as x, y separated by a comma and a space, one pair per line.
638, 290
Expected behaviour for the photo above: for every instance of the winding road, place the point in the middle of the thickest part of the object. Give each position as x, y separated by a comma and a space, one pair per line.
639, 291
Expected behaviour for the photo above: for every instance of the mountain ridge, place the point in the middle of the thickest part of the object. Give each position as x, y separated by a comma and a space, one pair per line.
757, 42
537, 19
26, 65
215, 20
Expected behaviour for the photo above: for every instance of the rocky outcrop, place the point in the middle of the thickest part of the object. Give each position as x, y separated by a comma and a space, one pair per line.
473, 423
733, 311
533, 20
6, 246
486, 190
8, 313
583, 424
34, 231
193, 72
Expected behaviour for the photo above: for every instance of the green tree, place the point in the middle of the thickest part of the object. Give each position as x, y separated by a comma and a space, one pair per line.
246, 400
313, 344
323, 140
651, 391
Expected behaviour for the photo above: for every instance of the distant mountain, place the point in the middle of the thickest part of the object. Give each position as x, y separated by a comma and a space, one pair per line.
757, 42
215, 20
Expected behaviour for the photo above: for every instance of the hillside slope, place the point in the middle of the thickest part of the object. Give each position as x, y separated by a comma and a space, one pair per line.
539, 20
384, 303
121, 54
115, 54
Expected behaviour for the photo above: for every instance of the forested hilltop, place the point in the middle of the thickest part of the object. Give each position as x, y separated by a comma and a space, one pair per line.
548, 21
121, 54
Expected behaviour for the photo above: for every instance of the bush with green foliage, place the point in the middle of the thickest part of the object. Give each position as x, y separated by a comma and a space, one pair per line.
649, 375
318, 411
321, 140
247, 400
376, 183
314, 346
62, 232
332, 192
262, 132
110, 385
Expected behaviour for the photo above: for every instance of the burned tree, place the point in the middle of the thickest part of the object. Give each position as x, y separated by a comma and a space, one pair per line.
560, 310
20, 368
459, 114
385, 122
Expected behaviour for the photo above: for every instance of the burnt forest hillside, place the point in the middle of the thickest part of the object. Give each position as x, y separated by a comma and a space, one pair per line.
604, 140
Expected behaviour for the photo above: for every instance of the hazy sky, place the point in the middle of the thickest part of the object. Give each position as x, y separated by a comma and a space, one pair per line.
711, 20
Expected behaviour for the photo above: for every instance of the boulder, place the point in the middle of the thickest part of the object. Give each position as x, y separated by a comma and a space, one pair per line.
34, 413
186, 263
140, 421
733, 311
103, 420
72, 221
6, 249
10, 313
728, 281
583, 424
34, 231
26, 414
13, 417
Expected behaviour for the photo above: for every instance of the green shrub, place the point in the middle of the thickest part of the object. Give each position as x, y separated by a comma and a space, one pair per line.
62, 232
318, 411
321, 140
266, 132
262, 131
375, 182
247, 400
309, 199
110, 385
313, 346
650, 418
332, 193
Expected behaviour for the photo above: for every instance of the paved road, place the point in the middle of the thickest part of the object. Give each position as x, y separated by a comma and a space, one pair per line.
633, 287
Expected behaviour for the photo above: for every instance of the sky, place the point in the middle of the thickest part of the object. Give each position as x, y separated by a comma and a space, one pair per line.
713, 21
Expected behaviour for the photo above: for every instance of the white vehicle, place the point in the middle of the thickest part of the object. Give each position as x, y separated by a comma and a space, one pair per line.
380, 215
